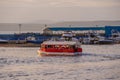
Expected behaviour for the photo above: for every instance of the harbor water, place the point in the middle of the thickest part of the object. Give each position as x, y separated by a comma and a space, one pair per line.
98, 62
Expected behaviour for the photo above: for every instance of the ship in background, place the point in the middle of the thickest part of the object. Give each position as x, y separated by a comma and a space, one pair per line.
93, 37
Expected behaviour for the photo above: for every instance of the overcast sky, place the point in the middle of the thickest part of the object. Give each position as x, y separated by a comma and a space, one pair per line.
58, 10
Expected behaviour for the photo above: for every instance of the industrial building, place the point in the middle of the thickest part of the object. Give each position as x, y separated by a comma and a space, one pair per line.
107, 30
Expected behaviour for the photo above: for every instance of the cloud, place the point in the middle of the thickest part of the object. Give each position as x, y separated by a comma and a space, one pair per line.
86, 3
61, 3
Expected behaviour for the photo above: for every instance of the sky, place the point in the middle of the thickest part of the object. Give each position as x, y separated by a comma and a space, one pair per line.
25, 11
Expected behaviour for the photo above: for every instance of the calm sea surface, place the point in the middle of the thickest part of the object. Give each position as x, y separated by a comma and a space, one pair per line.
98, 62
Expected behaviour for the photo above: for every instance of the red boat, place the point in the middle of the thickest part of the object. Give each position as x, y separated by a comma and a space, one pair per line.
65, 46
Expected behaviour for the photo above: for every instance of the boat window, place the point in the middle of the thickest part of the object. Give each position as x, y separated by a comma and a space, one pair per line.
70, 46
56, 46
115, 36
49, 46
62, 46
73, 46
42, 46
45, 46
53, 46
92, 35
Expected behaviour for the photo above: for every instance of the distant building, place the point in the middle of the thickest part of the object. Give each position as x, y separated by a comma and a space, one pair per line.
77, 30
110, 29
107, 30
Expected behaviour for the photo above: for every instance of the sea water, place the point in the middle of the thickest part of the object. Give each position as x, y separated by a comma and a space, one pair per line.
98, 62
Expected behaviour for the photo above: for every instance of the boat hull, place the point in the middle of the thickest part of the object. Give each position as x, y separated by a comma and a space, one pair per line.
106, 42
42, 53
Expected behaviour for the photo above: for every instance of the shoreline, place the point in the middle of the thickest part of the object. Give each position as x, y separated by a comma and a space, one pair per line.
19, 45
36, 45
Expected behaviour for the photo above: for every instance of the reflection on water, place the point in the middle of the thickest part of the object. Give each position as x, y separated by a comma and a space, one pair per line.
98, 62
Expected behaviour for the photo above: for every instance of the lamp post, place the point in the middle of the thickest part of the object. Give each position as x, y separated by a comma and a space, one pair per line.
20, 28
45, 25
69, 25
